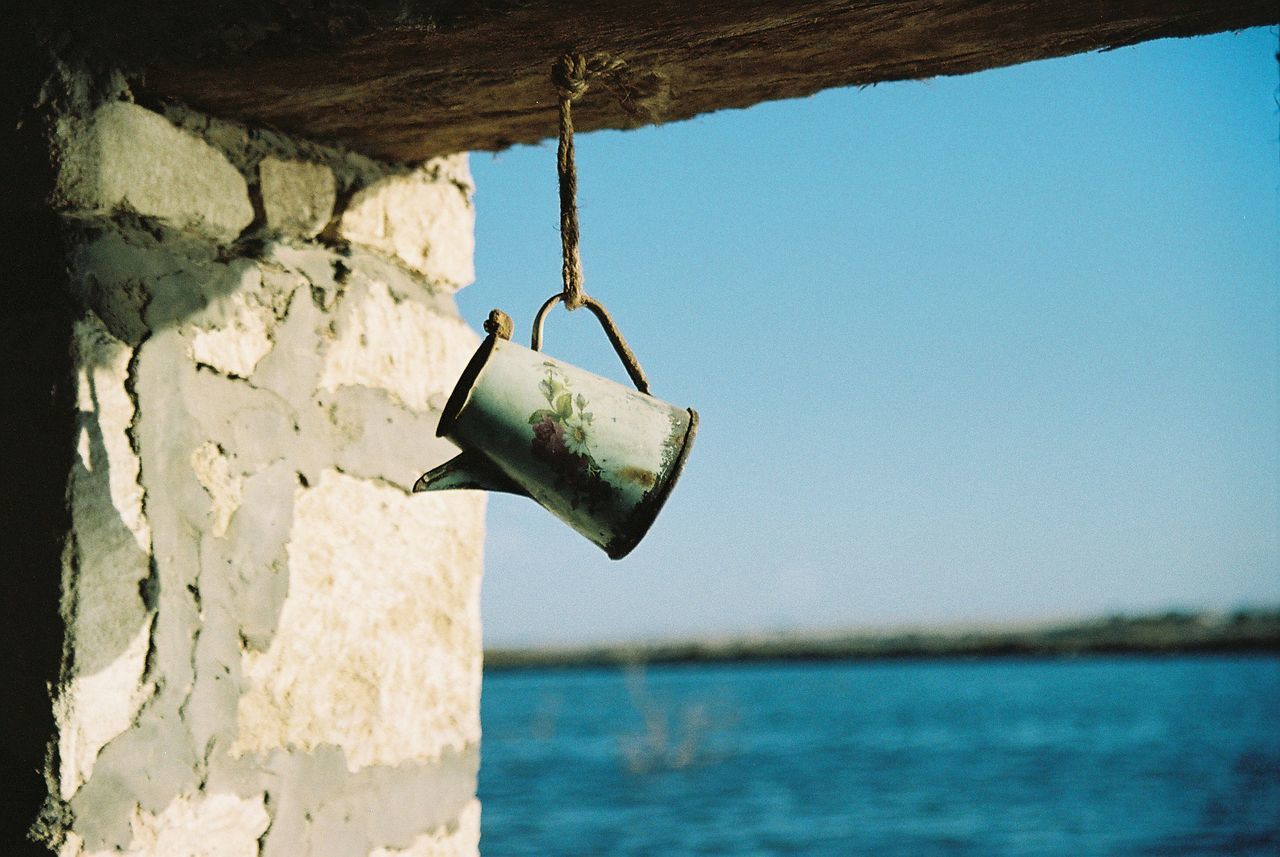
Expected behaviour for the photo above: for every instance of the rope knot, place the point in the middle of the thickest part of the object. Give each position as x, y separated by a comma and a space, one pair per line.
569, 75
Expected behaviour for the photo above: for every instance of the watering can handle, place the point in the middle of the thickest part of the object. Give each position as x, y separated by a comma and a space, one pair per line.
625, 354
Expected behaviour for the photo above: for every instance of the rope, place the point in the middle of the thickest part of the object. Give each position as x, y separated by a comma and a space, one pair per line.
569, 75
570, 78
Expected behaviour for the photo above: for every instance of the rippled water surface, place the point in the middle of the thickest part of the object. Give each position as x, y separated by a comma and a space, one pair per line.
1158, 756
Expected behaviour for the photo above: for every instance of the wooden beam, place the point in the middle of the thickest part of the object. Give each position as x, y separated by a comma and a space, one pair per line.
446, 77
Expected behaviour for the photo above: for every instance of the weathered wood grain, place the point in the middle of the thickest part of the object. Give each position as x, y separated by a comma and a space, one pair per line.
411, 79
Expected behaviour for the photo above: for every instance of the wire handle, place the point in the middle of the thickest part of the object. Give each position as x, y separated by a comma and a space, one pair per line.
625, 354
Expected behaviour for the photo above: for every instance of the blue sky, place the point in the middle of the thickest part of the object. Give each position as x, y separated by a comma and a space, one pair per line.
1000, 347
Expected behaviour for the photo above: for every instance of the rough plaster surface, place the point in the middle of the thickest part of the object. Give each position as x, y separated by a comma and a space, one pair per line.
127, 157
455, 840
273, 648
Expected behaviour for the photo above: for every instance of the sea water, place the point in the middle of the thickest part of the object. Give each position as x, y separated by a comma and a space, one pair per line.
1090, 756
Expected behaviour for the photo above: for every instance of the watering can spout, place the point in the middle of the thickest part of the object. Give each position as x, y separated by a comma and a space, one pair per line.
468, 470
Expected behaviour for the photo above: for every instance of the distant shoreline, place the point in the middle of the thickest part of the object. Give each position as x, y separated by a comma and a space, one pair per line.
1256, 631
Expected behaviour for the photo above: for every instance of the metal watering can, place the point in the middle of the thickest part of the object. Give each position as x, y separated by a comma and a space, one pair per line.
599, 456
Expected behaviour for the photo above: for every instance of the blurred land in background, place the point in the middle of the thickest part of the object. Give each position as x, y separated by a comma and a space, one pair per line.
1250, 630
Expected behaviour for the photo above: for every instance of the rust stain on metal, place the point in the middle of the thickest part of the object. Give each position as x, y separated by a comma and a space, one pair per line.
638, 475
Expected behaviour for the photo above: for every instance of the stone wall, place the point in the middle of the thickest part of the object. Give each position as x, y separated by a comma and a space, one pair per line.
272, 647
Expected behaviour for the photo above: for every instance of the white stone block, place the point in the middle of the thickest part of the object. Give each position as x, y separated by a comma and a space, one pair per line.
102, 390
425, 222
239, 327
219, 825
378, 646
128, 158
297, 196
397, 346
113, 695
454, 168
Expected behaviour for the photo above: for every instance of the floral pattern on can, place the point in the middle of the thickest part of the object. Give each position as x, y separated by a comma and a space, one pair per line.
562, 439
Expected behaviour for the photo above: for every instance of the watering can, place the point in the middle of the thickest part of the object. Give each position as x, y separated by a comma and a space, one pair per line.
596, 454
